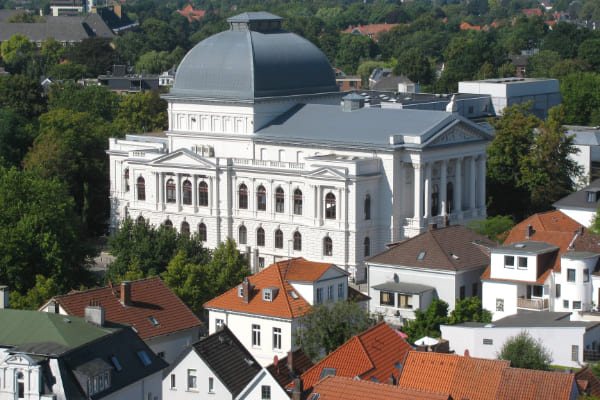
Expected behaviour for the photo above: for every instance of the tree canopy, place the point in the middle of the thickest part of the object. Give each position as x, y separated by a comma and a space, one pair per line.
523, 351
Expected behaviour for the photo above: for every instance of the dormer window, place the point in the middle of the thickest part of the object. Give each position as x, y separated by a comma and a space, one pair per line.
592, 196
522, 262
268, 294
509, 261
241, 291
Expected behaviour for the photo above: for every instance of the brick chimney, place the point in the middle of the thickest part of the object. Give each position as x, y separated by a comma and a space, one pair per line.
529, 233
298, 389
392, 380
290, 361
247, 289
126, 293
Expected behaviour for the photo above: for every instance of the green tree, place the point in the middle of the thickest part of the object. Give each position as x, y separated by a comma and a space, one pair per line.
328, 326
67, 71
22, 95
44, 289
53, 51
188, 281
227, 268
589, 50
496, 227
95, 53
467, 310
16, 44
523, 351
540, 64
353, 48
415, 66
581, 98
153, 62
142, 112
427, 323
40, 234
15, 139
98, 101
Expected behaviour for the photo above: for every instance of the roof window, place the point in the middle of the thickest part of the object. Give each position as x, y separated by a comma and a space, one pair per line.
296, 297
327, 371
153, 321
315, 396
421, 255
116, 363
143, 356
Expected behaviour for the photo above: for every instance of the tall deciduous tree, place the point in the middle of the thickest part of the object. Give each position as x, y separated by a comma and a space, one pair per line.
15, 45
427, 323
523, 351
94, 53
22, 95
469, 309
415, 66
98, 101
15, 139
142, 112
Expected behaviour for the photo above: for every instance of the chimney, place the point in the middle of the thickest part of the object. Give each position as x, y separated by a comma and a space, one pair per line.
4, 292
432, 226
529, 231
246, 289
392, 380
290, 361
126, 293
94, 314
298, 389
467, 354
53, 307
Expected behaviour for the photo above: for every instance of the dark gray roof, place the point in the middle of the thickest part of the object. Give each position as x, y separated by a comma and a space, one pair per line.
538, 319
584, 135
579, 199
63, 29
391, 83
254, 16
245, 64
228, 359
403, 287
526, 247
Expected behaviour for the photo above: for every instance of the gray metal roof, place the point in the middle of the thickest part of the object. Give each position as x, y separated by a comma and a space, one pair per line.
526, 247
63, 29
579, 199
541, 319
579, 255
247, 64
404, 287
584, 135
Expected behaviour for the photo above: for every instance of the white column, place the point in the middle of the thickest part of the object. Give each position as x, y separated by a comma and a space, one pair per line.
178, 192
444, 182
195, 193
132, 184
417, 191
427, 190
481, 180
161, 189
458, 186
339, 205
472, 178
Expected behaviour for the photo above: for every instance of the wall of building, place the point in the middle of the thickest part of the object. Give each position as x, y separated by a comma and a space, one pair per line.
173, 344
500, 298
254, 390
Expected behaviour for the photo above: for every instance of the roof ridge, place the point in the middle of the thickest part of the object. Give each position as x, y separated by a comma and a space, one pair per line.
285, 293
448, 257
362, 345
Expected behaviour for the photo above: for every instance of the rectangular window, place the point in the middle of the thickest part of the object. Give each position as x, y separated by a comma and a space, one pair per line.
488, 342
261, 262
537, 291
219, 323
277, 338
576, 305
509, 261
319, 296
255, 335
570, 275
191, 375
330, 293
386, 299
265, 392
405, 300
586, 275
522, 262
566, 303
475, 290
558, 291
211, 384
462, 293
499, 304
340, 291
574, 353
173, 381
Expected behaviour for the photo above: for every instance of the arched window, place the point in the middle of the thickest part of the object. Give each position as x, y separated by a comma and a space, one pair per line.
171, 196
203, 194
298, 202
367, 245
278, 239
185, 227
327, 246
368, 207
141, 220
297, 241
279, 200
141, 189
243, 197
435, 201
202, 232
20, 385
449, 197
168, 224
242, 235
260, 237
187, 192
330, 206
261, 198
126, 179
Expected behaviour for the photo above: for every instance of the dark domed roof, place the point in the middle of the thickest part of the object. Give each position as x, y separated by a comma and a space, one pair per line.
254, 59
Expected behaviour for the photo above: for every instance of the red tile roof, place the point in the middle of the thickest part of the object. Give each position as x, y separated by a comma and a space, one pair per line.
343, 388
593, 383
371, 353
277, 275
371, 30
466, 26
529, 384
150, 297
281, 370
191, 13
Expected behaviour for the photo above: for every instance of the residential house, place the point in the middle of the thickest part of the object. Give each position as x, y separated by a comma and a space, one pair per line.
399, 84
284, 167
520, 63
51, 356
481, 379
569, 341
347, 82
370, 30
588, 382
547, 264
158, 316
444, 263
293, 365
586, 139
266, 309
374, 355
219, 367
122, 82
582, 205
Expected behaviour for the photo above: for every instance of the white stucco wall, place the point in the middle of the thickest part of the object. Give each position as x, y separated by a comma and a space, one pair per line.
173, 344
493, 292
254, 389
146, 388
584, 217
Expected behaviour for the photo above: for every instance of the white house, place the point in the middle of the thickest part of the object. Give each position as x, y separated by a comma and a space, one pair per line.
266, 309
565, 339
444, 263
582, 206
50, 356
260, 149
221, 368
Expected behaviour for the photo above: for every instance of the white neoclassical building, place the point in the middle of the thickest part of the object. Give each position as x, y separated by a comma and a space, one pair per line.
263, 148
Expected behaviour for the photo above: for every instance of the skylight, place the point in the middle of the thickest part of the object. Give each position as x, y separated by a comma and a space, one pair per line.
153, 321
116, 363
293, 294
144, 358
327, 371
315, 396
421, 255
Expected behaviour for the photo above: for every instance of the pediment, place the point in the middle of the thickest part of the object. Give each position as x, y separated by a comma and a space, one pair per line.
20, 359
183, 158
457, 134
327, 173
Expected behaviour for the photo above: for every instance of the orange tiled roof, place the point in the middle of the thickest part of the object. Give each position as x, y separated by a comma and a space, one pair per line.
276, 275
462, 377
191, 13
150, 297
343, 388
371, 30
371, 353
529, 384
593, 383
465, 26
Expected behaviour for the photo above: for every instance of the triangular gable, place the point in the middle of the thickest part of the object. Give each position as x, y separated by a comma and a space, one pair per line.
20, 359
183, 158
457, 133
333, 272
327, 173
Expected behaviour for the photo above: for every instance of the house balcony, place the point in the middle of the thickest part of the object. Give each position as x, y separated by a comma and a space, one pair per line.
533, 304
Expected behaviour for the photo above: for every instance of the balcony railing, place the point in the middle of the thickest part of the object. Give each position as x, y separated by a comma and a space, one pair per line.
532, 304
268, 163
